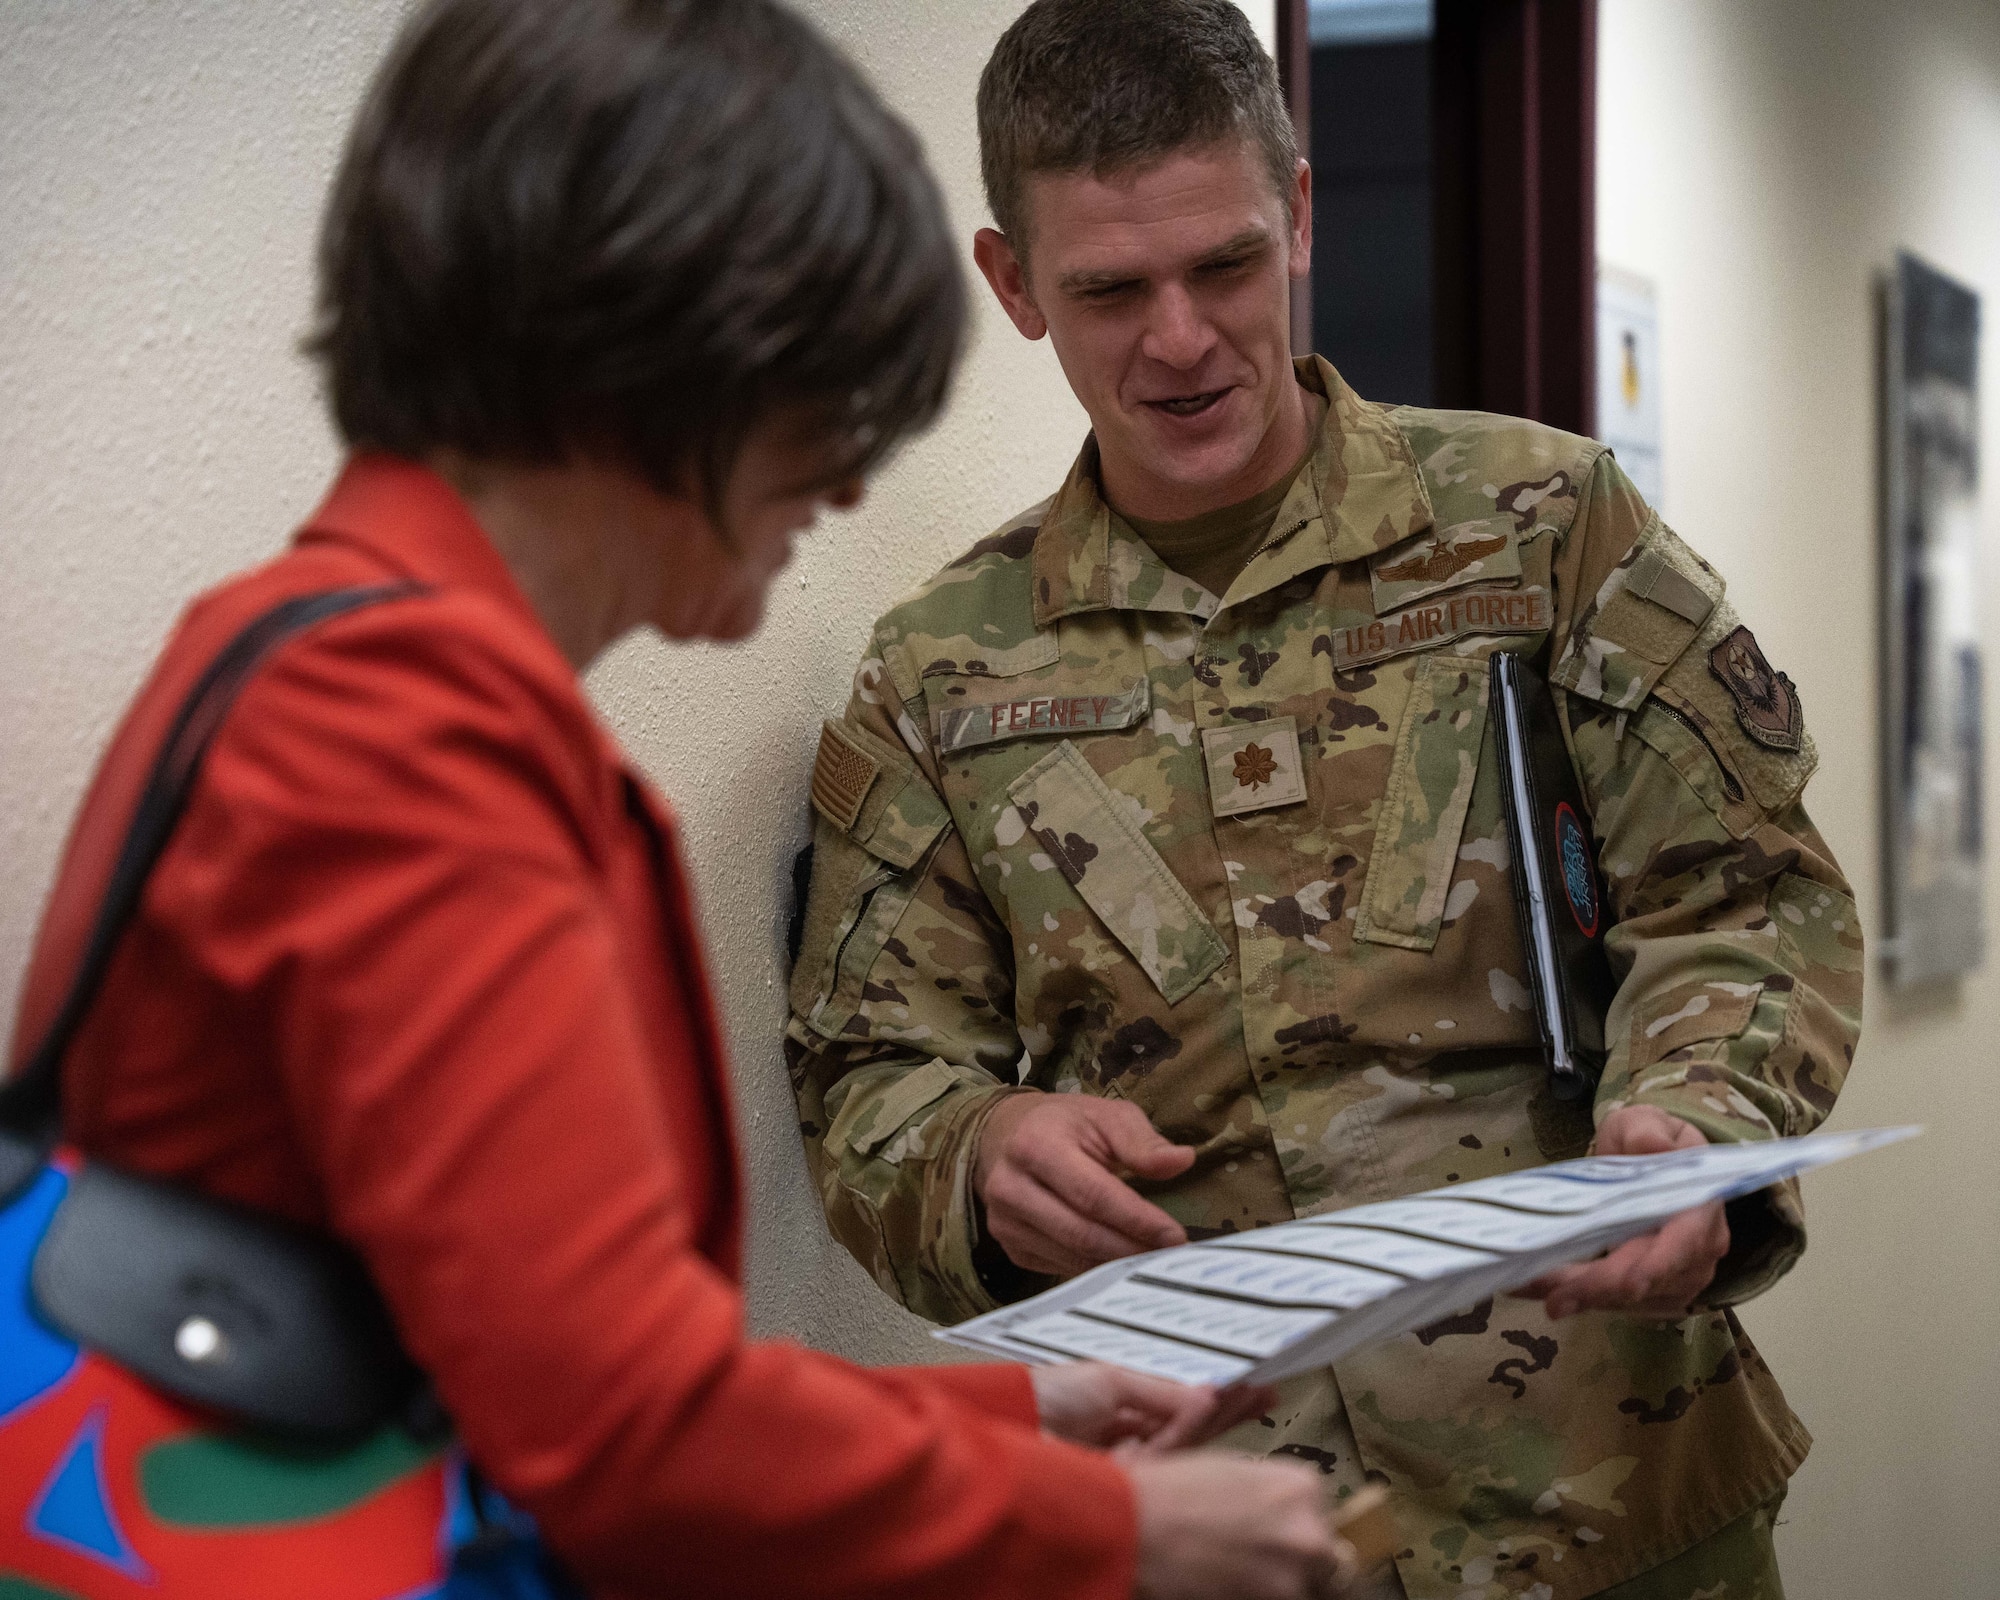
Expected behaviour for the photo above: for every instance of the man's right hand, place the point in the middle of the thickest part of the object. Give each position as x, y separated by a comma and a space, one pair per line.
1222, 1527
1050, 1171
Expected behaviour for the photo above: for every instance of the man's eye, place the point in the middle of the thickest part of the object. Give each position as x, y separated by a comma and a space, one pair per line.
1107, 291
1227, 265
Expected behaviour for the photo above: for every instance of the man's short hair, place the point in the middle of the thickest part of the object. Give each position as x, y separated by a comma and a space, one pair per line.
1102, 85
631, 231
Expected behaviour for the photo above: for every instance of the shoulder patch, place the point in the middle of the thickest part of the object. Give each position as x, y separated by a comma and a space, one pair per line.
1766, 703
842, 775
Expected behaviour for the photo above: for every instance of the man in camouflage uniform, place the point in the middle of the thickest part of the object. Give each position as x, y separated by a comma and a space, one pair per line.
1129, 886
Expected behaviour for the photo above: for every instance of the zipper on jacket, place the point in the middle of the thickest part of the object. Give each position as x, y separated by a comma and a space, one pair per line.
860, 916
1729, 784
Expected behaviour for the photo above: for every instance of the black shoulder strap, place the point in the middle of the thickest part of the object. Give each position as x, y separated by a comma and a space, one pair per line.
31, 1101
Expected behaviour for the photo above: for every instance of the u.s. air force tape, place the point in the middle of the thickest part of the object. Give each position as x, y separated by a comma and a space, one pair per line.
1434, 622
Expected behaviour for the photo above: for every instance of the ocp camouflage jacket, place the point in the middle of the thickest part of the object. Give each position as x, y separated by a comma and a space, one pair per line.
1086, 828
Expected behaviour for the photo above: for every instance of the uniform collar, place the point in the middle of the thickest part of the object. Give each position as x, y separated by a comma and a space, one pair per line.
1360, 492
409, 519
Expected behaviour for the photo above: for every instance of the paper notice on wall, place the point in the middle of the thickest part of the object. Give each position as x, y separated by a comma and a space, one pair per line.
1261, 1306
1628, 377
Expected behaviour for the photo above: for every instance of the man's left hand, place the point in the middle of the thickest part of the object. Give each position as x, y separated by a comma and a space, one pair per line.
1658, 1274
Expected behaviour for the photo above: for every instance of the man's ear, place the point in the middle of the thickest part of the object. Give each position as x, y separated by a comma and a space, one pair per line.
1300, 203
1004, 271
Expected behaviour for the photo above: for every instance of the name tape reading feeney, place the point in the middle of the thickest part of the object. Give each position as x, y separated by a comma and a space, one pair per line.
960, 727
1451, 616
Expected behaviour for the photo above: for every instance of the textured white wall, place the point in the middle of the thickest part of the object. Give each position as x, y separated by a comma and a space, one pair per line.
161, 173
1761, 163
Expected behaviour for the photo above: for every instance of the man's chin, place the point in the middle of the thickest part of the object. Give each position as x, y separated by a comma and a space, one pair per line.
1196, 453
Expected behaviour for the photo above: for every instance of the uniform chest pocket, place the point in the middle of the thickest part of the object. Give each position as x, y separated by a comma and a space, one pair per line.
1088, 835
1431, 775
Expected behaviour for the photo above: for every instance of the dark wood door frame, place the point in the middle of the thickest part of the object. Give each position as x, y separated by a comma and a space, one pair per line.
1514, 108
1295, 78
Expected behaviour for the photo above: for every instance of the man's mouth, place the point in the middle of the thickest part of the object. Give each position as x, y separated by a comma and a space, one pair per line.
1189, 405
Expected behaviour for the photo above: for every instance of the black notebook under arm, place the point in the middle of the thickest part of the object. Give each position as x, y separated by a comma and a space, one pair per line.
1557, 886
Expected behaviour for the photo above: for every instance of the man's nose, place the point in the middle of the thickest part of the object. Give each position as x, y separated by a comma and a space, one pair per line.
1177, 335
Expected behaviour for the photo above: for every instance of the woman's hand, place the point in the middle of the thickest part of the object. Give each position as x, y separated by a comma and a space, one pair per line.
1091, 1403
1223, 1527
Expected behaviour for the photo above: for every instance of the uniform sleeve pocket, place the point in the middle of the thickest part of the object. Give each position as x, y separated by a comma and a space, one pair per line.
878, 821
1424, 806
1640, 622
1690, 1013
869, 1121
1088, 834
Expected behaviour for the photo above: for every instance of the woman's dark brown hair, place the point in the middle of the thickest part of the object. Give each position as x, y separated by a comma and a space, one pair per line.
631, 230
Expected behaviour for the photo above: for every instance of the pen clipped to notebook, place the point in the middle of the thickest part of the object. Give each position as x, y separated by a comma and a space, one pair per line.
1557, 887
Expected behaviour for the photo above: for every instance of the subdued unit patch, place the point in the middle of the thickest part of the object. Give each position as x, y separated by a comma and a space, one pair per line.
1766, 703
843, 773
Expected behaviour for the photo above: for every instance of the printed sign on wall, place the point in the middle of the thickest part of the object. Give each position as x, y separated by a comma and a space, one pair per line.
1628, 376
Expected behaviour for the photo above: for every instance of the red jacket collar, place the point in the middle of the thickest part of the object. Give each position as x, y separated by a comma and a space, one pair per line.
404, 517
409, 519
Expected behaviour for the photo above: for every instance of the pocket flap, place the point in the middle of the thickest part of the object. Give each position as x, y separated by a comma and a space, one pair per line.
298, 1339
1423, 810
1689, 1013
1088, 834
1644, 618
869, 1121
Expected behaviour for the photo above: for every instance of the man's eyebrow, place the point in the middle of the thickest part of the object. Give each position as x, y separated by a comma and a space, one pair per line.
1248, 240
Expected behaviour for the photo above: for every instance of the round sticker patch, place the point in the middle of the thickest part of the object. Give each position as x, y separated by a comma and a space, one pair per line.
1579, 882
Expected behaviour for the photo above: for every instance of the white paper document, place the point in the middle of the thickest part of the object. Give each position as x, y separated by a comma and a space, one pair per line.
1266, 1305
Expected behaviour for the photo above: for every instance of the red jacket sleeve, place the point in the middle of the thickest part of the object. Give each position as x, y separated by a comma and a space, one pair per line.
993, 1387
389, 861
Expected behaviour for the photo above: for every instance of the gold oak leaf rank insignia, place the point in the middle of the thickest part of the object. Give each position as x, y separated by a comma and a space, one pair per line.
1255, 766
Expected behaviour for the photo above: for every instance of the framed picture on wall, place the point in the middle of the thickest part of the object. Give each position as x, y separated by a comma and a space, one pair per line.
1628, 377
1932, 690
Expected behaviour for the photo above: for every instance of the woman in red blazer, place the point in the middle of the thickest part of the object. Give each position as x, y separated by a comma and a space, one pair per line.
615, 295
